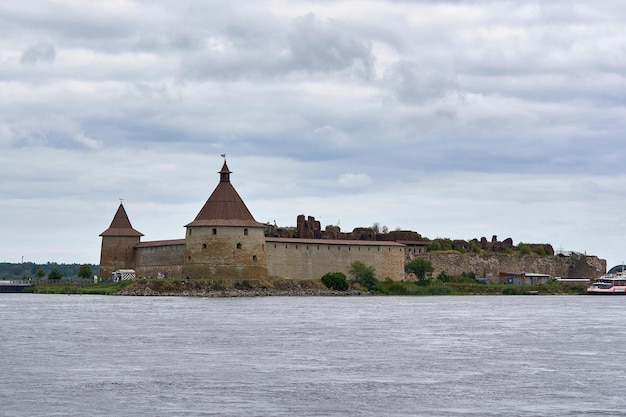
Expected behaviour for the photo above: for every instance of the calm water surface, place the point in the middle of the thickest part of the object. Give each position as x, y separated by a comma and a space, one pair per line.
312, 356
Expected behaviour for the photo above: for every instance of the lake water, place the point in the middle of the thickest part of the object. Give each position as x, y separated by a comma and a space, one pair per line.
312, 356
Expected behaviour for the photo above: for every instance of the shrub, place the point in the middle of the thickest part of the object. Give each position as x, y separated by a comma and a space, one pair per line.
523, 248
468, 276
435, 246
443, 277
336, 281
438, 291
512, 291
422, 268
364, 275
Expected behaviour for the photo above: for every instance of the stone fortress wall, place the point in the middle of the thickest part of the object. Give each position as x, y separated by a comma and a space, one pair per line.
312, 258
489, 265
160, 259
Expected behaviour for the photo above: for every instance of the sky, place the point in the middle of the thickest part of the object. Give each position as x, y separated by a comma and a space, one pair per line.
456, 119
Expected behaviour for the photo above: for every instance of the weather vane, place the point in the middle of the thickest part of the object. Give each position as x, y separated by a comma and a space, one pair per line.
223, 156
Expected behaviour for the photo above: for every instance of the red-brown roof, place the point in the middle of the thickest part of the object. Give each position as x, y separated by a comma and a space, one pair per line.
153, 243
334, 241
225, 207
120, 226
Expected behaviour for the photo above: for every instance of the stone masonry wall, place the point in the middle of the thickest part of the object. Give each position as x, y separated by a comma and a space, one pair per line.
232, 252
490, 265
117, 252
166, 260
311, 260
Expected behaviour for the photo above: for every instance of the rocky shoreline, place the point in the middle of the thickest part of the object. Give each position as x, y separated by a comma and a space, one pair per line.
259, 292
227, 289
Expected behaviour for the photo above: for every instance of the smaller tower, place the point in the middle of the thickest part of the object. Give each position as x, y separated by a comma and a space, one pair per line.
118, 244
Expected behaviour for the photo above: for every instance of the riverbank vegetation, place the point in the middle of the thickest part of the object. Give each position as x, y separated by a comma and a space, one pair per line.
101, 288
298, 287
363, 277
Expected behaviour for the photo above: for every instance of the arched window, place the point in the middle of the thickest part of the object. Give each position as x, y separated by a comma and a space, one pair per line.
238, 245
254, 258
245, 232
204, 246
214, 231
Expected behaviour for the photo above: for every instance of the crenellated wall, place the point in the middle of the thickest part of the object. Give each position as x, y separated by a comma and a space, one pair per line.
489, 265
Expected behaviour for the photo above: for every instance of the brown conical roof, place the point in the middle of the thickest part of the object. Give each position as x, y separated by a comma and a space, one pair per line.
224, 207
120, 226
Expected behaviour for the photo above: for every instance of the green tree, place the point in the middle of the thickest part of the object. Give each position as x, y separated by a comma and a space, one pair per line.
336, 281
40, 273
55, 275
85, 271
435, 246
364, 275
523, 248
422, 268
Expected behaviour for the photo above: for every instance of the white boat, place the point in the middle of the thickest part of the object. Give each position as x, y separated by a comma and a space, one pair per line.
613, 282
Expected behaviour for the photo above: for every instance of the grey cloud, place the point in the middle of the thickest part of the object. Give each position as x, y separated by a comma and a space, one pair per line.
39, 52
309, 45
327, 46
412, 82
54, 132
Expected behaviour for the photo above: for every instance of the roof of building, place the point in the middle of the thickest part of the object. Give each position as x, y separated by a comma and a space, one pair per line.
225, 207
154, 243
334, 241
120, 226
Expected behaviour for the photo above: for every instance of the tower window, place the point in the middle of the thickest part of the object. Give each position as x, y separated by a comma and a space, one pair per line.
190, 230
245, 232
254, 258
204, 246
238, 245
214, 231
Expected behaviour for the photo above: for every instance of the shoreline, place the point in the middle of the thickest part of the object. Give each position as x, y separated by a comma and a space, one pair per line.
234, 292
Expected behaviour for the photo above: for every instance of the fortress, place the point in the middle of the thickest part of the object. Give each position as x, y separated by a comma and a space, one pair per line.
225, 241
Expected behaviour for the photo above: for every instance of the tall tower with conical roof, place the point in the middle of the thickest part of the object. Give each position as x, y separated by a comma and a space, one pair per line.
224, 240
118, 244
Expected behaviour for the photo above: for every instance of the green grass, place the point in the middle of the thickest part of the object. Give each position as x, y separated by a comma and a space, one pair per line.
436, 287
104, 288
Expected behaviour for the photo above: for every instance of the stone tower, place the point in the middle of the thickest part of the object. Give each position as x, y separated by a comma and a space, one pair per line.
118, 244
224, 240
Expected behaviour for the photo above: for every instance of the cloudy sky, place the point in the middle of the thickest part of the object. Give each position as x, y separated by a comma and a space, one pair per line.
456, 119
